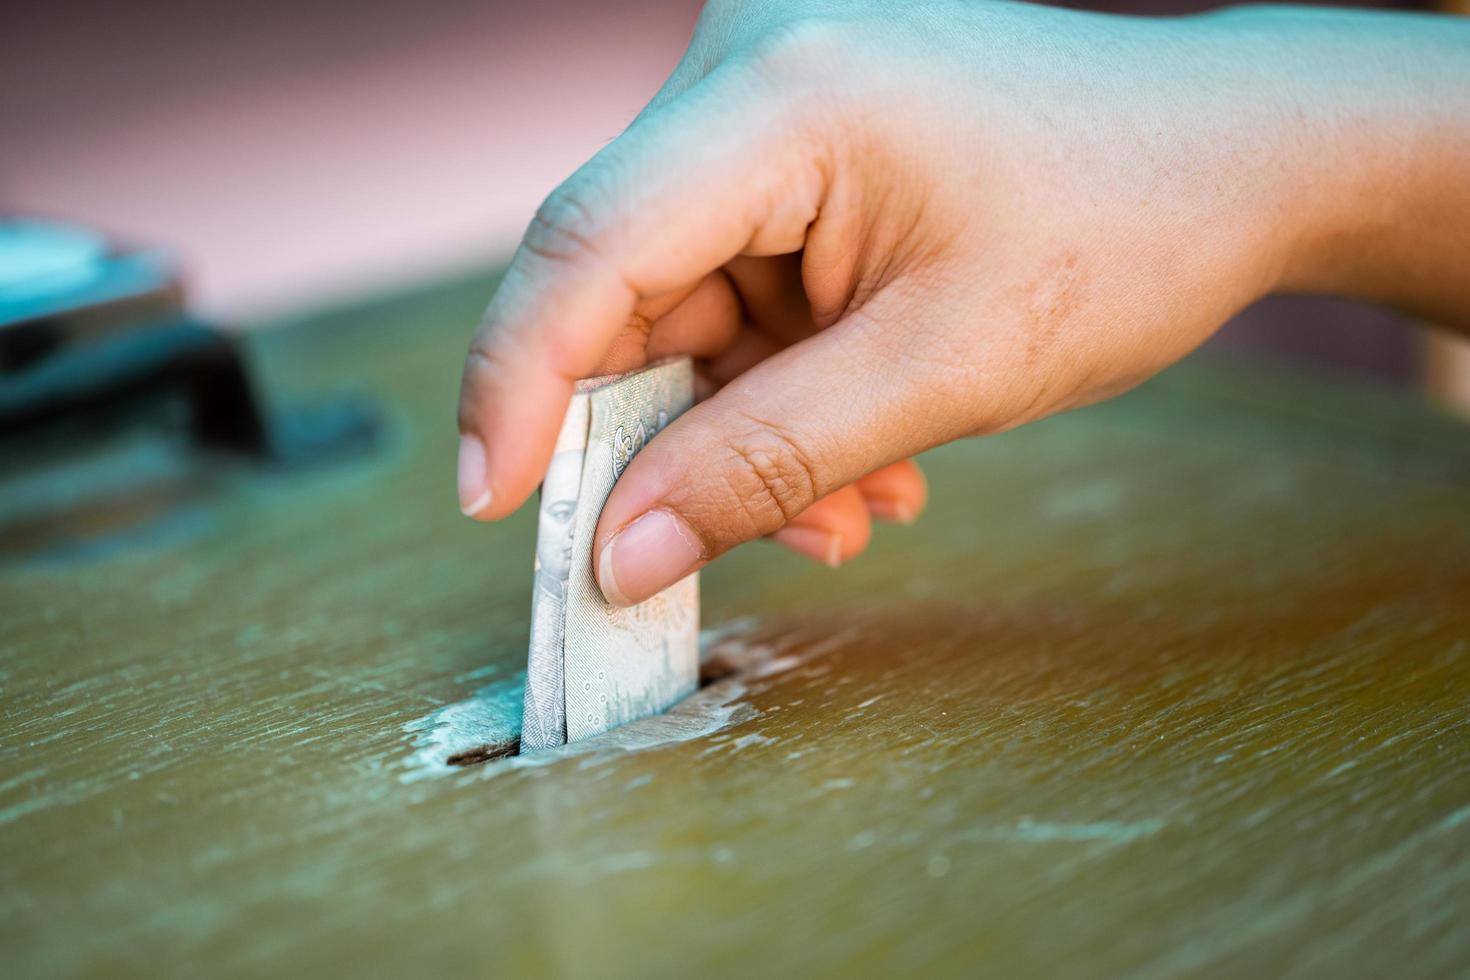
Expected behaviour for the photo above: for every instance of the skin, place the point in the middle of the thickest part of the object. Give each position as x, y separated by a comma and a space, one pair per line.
881, 227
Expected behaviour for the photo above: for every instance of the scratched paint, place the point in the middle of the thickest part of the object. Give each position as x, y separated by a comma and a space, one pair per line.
1191, 727
492, 715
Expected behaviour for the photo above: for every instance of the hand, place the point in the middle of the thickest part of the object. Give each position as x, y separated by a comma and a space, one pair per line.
879, 232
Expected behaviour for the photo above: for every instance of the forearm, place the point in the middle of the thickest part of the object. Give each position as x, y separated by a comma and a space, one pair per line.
1375, 128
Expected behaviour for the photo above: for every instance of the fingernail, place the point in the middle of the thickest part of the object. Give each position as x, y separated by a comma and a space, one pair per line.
815, 543
888, 509
646, 557
474, 496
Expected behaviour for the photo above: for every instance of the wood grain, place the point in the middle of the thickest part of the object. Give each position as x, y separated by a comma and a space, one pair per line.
1175, 685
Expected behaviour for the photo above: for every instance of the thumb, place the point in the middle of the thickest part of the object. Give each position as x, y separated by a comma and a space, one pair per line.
789, 431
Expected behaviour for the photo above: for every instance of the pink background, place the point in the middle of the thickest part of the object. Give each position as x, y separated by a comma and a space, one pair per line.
296, 153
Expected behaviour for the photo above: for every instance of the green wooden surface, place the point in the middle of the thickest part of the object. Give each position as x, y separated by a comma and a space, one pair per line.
1175, 685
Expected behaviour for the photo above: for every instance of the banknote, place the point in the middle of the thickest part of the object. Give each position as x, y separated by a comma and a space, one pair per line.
544, 721
593, 666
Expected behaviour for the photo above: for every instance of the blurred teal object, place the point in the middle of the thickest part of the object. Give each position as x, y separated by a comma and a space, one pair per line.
120, 413
49, 269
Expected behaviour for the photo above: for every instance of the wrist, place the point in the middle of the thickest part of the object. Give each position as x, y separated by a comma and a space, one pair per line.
1369, 120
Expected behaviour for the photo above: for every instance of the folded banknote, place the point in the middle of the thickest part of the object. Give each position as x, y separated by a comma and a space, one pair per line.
593, 666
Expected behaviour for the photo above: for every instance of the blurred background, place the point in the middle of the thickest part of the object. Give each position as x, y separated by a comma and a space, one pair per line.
295, 153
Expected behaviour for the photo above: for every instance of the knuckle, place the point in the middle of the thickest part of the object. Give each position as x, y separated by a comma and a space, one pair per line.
565, 228
796, 45
809, 63
771, 475
483, 365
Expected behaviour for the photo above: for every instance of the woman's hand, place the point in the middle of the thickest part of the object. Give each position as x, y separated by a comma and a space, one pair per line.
882, 227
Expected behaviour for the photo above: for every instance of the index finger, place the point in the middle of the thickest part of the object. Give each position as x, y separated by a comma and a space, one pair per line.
724, 169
